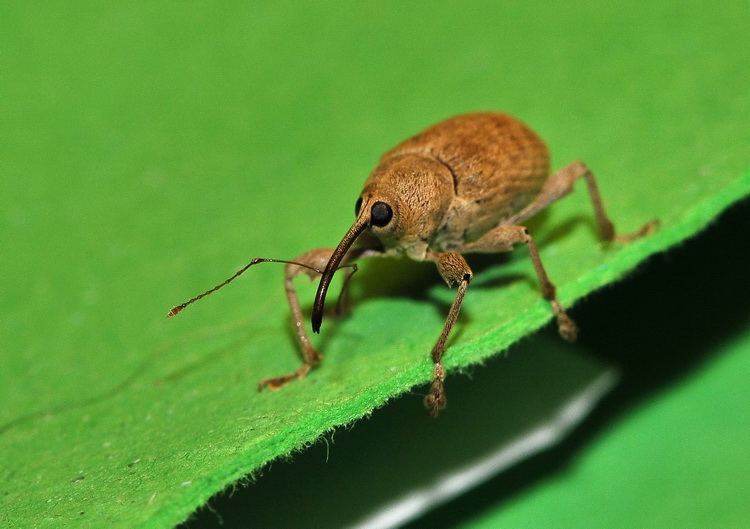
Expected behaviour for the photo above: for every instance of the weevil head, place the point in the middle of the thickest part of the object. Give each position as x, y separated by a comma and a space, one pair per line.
403, 204
404, 201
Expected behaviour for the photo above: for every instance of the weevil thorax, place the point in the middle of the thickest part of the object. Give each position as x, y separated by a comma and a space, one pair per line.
404, 201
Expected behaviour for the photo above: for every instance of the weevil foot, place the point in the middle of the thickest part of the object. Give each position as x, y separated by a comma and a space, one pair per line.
435, 400
645, 230
567, 328
565, 324
274, 383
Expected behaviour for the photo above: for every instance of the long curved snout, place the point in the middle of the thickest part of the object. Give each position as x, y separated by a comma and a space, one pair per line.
355, 231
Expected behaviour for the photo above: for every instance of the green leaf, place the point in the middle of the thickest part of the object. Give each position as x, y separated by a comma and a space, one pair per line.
150, 151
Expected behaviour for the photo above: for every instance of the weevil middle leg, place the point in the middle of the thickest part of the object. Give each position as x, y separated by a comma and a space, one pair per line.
503, 239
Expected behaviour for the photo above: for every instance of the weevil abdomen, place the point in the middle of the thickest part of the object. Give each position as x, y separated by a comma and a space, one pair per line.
497, 164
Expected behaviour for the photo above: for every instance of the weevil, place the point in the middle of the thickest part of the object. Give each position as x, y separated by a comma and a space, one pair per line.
465, 185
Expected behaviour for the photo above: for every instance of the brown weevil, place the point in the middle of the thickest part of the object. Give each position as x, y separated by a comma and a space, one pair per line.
465, 185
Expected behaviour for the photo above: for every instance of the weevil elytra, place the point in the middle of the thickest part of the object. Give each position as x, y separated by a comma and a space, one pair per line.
464, 185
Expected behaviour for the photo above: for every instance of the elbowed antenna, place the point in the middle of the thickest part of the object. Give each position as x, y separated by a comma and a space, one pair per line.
333, 263
174, 311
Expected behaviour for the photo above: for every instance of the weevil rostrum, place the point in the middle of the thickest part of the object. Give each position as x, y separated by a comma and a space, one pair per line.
465, 185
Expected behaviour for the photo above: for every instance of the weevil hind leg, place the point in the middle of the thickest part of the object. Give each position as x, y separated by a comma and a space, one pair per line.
503, 239
453, 269
560, 184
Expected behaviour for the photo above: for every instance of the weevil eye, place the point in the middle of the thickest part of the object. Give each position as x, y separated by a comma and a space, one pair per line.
357, 206
380, 214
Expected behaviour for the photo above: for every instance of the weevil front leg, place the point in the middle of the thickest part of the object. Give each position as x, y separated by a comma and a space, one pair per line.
314, 262
502, 239
560, 184
454, 269
316, 259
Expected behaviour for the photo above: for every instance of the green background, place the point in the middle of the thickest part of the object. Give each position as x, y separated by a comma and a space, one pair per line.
147, 151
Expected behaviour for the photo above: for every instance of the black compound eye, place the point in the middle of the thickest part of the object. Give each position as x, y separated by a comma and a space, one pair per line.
357, 206
381, 214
